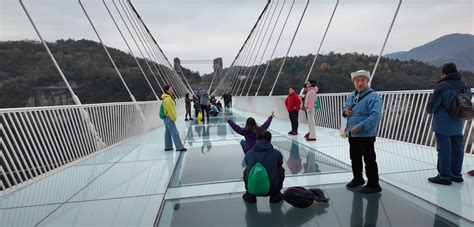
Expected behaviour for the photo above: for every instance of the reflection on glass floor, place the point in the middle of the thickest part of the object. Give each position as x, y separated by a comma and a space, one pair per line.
393, 207
221, 119
215, 129
215, 155
204, 132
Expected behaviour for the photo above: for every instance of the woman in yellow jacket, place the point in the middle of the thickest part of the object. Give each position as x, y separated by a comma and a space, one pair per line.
171, 132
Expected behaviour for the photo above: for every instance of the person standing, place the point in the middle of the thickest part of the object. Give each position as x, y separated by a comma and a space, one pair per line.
448, 129
205, 104
305, 90
292, 104
363, 109
197, 105
310, 105
188, 102
171, 132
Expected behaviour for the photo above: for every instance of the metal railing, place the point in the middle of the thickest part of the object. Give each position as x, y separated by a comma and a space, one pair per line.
37, 141
403, 115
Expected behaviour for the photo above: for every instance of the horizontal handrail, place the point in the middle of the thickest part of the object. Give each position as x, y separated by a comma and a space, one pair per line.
5, 110
40, 140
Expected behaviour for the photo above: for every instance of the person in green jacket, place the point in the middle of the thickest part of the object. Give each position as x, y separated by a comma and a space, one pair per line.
171, 132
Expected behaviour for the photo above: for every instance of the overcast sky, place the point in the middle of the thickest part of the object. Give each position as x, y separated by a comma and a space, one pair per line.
206, 29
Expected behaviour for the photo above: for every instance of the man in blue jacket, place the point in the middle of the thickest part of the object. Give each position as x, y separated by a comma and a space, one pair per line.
448, 130
363, 109
272, 160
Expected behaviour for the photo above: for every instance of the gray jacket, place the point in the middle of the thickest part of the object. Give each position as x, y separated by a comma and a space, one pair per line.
205, 98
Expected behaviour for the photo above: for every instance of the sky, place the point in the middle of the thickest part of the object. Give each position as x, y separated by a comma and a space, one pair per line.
207, 29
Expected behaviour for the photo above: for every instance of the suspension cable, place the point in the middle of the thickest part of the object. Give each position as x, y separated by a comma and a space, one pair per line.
266, 46
189, 86
289, 48
251, 65
320, 44
385, 42
84, 114
130, 49
274, 49
139, 109
245, 42
138, 47
150, 36
150, 54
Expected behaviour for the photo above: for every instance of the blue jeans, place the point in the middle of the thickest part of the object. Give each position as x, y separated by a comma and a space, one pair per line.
172, 132
450, 155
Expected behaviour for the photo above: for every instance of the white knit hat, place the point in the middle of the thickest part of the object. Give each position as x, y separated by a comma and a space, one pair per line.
360, 73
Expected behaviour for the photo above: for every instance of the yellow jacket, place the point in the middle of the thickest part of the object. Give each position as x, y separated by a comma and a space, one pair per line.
169, 106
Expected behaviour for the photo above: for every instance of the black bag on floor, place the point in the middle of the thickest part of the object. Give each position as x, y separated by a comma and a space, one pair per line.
302, 198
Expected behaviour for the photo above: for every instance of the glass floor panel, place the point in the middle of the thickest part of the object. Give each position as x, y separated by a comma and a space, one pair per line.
392, 207
217, 161
210, 132
206, 132
221, 120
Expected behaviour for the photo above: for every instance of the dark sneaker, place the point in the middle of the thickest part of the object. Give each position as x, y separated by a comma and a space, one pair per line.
183, 149
457, 179
168, 149
191, 119
355, 183
185, 119
294, 133
306, 135
310, 139
249, 198
371, 190
439, 180
290, 132
276, 198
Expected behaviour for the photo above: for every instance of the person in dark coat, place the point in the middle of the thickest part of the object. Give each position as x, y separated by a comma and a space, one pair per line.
448, 130
188, 102
272, 159
196, 105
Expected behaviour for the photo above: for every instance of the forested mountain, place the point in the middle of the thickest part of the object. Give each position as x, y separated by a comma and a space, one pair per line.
458, 48
25, 65
332, 73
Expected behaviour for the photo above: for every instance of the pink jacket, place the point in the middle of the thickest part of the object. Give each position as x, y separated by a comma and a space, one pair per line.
310, 99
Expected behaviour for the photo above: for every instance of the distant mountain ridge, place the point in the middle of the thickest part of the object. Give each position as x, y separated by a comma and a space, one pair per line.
25, 66
457, 48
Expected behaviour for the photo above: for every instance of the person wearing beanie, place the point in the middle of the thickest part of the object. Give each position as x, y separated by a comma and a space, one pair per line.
363, 109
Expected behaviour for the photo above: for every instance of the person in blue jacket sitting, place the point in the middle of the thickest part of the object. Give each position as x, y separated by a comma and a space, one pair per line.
214, 111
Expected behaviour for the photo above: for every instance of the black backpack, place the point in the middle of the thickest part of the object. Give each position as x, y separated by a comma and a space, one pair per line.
301, 197
461, 107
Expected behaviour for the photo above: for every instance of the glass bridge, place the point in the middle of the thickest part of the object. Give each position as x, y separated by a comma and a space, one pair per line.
136, 183
105, 164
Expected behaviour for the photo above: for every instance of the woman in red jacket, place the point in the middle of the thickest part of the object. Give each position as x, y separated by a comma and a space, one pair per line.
292, 104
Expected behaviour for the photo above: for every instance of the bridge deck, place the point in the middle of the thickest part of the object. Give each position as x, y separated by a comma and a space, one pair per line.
130, 183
